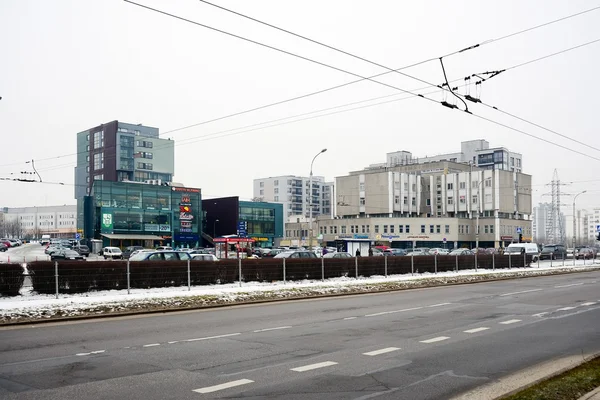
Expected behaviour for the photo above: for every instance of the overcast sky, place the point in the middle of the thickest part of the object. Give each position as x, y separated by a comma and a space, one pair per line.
69, 65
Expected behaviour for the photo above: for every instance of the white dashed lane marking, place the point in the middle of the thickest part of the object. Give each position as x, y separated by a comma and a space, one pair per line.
566, 308
381, 351
439, 305
510, 321
540, 314
572, 284
589, 303
213, 337
393, 311
152, 345
436, 339
223, 386
314, 366
272, 329
348, 318
475, 330
524, 291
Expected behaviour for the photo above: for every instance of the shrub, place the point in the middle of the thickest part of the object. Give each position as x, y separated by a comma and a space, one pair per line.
11, 279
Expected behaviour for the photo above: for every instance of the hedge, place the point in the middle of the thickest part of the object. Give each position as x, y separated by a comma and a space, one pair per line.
11, 279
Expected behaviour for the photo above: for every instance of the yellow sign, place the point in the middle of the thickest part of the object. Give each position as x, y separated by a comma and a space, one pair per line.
79, 230
261, 239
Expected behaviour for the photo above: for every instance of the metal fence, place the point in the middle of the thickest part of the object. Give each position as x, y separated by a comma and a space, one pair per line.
55, 277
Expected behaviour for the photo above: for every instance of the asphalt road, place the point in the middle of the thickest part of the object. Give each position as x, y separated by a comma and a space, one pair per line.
419, 344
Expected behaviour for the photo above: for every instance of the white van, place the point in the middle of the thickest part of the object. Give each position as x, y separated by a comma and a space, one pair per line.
45, 240
531, 249
112, 252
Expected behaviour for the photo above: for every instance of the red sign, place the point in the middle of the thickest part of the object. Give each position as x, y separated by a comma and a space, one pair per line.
184, 189
185, 209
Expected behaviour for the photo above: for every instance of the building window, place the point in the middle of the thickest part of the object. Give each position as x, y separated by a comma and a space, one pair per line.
474, 185
475, 199
450, 201
368, 228
363, 230
276, 182
414, 201
438, 229
98, 161
87, 168
87, 179
99, 140
142, 165
430, 228
405, 200
352, 229
512, 161
87, 158
396, 199
261, 184
335, 229
450, 186
146, 155
362, 201
518, 163
376, 228
447, 229
343, 229
400, 228
361, 186
143, 143
422, 228
87, 148
391, 228
428, 202
385, 229
99, 177
488, 183
491, 228
262, 192
276, 190
485, 229
462, 185
276, 198
467, 229
406, 228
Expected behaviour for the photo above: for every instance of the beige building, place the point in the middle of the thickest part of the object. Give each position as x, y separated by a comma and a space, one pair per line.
431, 205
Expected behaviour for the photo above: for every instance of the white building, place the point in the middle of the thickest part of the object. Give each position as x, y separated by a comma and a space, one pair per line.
57, 221
590, 221
293, 192
541, 223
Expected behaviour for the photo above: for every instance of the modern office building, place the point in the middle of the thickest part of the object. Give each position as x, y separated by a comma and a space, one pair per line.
433, 204
133, 213
293, 192
475, 152
261, 221
33, 222
118, 151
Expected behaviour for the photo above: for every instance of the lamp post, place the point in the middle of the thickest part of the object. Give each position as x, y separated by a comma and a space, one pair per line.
310, 229
575, 220
215, 227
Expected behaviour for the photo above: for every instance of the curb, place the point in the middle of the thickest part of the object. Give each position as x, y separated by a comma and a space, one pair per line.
265, 301
593, 395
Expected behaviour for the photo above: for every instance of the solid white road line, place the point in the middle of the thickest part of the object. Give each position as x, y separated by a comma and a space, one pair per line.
510, 321
98, 351
348, 318
314, 366
540, 314
173, 342
213, 337
381, 351
439, 305
436, 339
475, 330
393, 312
572, 284
566, 308
524, 291
210, 389
272, 329
589, 303
152, 345
83, 354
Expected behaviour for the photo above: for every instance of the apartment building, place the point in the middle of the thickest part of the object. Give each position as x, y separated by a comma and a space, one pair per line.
293, 192
57, 221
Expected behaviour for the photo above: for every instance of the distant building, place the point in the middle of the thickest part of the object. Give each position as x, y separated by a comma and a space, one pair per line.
292, 191
590, 221
56, 221
541, 222
118, 151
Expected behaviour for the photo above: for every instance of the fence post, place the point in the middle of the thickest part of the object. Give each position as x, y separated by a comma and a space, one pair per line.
56, 277
385, 266
551, 258
573, 257
322, 269
240, 269
356, 267
525, 260
412, 264
476, 251
493, 261
584, 260
456, 263
509, 260
564, 260
189, 276
435, 261
284, 270
128, 278
538, 260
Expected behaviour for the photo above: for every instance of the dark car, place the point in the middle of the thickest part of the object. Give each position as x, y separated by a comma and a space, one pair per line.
66, 254
554, 252
395, 252
296, 254
160, 256
272, 253
585, 253
83, 250
3, 247
127, 252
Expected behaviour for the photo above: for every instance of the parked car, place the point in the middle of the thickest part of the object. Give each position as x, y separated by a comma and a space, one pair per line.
296, 254
83, 250
421, 251
439, 251
461, 252
204, 257
6, 242
53, 249
585, 253
164, 248
66, 254
3, 247
14, 242
394, 252
553, 251
338, 254
129, 251
162, 255
273, 253
112, 253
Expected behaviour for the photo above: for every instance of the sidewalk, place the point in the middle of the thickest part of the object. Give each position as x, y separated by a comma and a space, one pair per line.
593, 395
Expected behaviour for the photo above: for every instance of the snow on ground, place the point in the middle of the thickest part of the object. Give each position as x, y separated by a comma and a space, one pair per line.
31, 305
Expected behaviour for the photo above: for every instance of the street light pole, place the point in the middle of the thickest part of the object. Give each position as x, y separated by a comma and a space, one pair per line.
575, 220
310, 228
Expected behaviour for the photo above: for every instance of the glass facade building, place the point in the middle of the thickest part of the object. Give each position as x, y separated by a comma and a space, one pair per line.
136, 213
264, 221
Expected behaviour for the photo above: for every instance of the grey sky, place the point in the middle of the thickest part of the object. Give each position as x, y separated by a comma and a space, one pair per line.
71, 65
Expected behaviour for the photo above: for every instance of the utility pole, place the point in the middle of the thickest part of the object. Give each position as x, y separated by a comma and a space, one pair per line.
310, 222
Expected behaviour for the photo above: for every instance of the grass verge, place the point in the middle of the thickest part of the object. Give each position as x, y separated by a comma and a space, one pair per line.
569, 385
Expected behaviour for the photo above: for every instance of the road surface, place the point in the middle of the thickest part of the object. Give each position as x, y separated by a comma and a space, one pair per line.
418, 344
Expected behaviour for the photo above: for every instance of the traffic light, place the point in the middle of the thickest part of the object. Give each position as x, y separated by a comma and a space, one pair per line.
520, 238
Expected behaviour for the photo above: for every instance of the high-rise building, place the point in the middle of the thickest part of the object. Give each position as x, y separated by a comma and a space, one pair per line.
590, 222
118, 151
293, 192
541, 223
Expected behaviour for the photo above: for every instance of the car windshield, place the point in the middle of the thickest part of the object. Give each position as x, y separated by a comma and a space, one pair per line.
549, 249
514, 249
71, 253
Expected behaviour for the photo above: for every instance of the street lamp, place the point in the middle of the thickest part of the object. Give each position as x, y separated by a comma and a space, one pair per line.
215, 228
575, 220
310, 229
